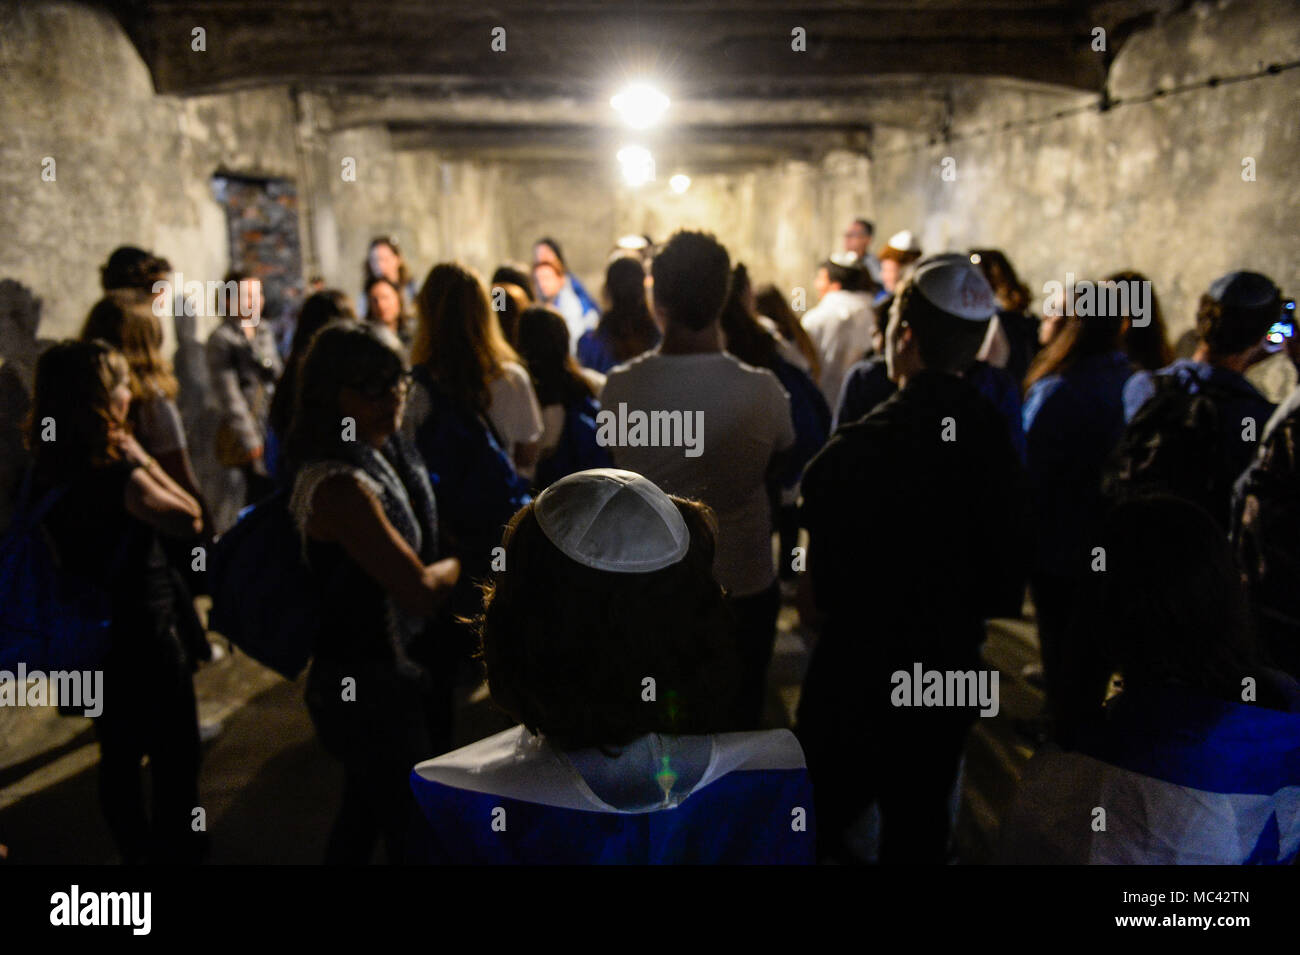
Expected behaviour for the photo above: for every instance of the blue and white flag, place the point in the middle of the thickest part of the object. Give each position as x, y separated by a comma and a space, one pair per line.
1172, 777
514, 799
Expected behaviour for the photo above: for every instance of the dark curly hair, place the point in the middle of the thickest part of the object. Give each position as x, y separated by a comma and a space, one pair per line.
132, 268
567, 647
692, 275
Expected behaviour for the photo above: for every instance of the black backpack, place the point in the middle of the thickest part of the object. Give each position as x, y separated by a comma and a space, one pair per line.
1175, 444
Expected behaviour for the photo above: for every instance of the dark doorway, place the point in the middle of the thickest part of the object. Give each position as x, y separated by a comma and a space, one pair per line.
262, 226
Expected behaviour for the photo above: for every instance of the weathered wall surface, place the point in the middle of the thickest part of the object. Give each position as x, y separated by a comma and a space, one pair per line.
133, 167
779, 219
1156, 186
1153, 185
130, 167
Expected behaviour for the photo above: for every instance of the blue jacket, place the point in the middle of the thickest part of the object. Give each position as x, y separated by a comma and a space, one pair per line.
1072, 422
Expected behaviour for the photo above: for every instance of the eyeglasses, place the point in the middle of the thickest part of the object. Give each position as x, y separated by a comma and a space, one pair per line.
399, 385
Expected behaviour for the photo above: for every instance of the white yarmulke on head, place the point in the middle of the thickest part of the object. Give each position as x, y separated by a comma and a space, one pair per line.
904, 241
613, 520
952, 284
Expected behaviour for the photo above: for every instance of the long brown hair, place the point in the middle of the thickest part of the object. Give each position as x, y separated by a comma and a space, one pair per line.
627, 324
1147, 346
403, 272
1012, 295
319, 310
73, 394
344, 353
1079, 338
457, 338
773, 304
746, 338
544, 342
124, 318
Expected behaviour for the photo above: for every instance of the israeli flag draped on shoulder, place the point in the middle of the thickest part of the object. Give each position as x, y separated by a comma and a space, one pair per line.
1172, 777
740, 798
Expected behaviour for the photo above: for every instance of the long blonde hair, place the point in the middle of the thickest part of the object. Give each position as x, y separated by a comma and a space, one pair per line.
457, 336
124, 318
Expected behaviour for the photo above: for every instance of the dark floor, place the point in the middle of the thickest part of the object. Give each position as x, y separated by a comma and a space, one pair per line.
270, 790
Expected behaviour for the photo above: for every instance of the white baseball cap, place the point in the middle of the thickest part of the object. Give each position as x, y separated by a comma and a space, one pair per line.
613, 520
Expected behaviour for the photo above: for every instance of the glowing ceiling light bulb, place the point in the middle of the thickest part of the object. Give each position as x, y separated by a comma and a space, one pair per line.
640, 105
680, 182
638, 165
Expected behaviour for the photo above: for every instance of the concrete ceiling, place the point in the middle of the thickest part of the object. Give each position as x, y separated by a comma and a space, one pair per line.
427, 70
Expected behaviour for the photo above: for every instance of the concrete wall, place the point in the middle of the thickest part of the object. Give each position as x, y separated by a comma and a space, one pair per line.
130, 167
1156, 186
779, 219
133, 167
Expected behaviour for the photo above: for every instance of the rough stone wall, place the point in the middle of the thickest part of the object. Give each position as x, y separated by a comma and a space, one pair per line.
778, 219
1156, 186
130, 167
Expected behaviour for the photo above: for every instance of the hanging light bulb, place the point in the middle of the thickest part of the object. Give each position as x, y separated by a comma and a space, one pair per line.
640, 105
638, 165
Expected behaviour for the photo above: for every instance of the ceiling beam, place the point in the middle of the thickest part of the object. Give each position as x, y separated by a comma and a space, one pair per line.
696, 145
691, 48
921, 108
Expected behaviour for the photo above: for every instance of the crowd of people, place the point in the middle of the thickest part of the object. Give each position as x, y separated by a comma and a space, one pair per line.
603, 505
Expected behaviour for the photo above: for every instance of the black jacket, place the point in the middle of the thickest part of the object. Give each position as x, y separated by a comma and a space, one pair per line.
916, 540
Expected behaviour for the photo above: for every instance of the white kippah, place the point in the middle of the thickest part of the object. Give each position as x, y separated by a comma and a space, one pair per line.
613, 520
904, 241
952, 284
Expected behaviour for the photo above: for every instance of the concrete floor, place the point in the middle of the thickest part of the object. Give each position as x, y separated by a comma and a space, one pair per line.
271, 791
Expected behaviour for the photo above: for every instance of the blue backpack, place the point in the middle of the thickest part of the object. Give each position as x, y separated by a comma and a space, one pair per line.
49, 619
473, 478
578, 449
264, 599
812, 423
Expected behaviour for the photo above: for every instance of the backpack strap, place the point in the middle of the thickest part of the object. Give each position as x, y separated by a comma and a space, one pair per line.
421, 374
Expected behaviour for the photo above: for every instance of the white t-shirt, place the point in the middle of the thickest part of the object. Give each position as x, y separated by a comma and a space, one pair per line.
840, 328
514, 410
739, 417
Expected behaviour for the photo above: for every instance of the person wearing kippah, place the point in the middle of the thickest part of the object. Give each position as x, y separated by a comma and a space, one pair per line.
1232, 321
938, 460
606, 636
901, 251
840, 323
